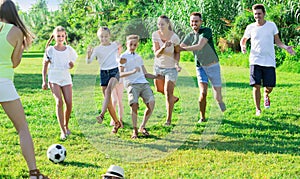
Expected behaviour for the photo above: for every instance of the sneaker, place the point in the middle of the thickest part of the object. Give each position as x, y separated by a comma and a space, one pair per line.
63, 136
68, 133
267, 102
201, 120
258, 112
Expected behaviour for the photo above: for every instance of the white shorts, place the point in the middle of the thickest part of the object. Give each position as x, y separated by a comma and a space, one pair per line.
7, 90
59, 77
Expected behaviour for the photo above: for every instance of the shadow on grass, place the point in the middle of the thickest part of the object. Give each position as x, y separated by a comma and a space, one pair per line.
261, 135
79, 164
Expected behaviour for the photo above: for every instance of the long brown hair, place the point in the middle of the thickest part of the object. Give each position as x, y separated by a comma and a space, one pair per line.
57, 29
8, 12
166, 18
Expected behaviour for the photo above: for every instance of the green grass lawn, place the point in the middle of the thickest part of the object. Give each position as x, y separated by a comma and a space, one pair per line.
236, 144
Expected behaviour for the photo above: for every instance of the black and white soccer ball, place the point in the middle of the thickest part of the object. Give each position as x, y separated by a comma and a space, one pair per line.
56, 153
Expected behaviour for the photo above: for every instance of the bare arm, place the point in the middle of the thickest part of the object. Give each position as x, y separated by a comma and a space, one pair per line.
149, 75
202, 42
243, 44
15, 37
279, 43
124, 74
177, 57
44, 74
89, 54
158, 50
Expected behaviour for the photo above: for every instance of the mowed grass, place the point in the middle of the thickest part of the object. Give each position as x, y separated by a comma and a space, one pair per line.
237, 145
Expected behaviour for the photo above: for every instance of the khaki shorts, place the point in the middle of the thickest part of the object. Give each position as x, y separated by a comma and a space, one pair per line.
143, 90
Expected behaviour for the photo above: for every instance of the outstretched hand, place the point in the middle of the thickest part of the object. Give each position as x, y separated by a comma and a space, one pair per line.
290, 50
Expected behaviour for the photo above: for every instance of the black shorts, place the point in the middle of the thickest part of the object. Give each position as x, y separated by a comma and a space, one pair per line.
106, 75
261, 73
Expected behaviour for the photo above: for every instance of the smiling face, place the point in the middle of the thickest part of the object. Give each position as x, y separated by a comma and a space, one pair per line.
195, 22
162, 24
259, 16
60, 37
104, 37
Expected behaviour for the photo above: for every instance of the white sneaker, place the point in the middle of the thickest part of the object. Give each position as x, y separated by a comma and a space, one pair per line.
258, 112
63, 136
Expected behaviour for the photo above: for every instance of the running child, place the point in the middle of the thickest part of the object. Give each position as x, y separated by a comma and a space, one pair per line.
60, 58
135, 74
106, 54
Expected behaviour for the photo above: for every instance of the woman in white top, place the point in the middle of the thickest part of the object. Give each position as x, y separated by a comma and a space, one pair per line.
166, 50
14, 37
107, 53
60, 58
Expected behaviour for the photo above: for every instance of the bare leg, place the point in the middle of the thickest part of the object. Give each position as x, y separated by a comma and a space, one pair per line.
159, 85
267, 91
56, 91
202, 99
117, 97
256, 96
107, 104
134, 108
218, 97
147, 113
15, 112
169, 90
67, 93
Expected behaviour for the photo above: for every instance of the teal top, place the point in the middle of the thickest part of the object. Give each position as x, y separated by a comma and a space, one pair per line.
207, 54
6, 66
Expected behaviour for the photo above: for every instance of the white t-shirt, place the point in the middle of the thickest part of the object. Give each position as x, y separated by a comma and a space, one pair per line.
262, 43
166, 60
59, 64
59, 60
106, 55
133, 61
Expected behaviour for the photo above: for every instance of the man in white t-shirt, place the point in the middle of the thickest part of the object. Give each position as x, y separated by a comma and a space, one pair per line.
134, 73
263, 34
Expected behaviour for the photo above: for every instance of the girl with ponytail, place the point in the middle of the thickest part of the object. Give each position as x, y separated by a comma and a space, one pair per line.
60, 58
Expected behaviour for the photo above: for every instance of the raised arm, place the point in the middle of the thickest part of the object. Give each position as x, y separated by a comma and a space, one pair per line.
89, 58
279, 43
149, 75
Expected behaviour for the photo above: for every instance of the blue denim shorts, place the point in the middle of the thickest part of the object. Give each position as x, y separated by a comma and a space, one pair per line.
211, 73
170, 74
106, 75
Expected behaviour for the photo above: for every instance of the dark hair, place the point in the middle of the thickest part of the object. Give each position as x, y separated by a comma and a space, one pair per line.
259, 6
8, 12
196, 14
166, 18
57, 29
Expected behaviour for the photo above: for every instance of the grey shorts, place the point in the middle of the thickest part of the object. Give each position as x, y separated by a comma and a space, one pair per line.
7, 90
143, 90
211, 73
170, 74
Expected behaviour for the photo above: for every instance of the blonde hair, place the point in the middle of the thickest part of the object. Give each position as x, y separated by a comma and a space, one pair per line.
9, 12
101, 29
132, 37
57, 29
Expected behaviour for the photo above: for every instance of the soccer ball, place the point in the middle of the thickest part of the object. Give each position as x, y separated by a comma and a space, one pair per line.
56, 153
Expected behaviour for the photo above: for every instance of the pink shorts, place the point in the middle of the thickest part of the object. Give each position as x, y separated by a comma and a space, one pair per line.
8, 91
